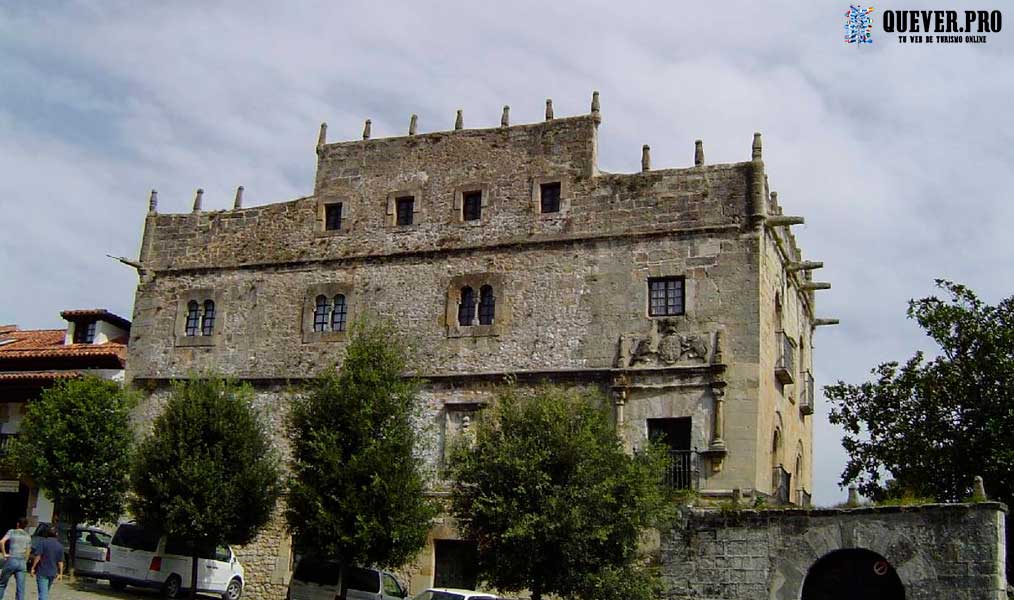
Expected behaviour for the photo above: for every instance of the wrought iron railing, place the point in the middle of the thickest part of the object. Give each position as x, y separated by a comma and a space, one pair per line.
781, 483
683, 471
785, 366
806, 400
5, 442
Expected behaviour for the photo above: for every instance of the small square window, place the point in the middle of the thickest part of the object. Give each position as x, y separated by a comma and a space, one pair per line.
333, 216
471, 205
666, 296
549, 197
84, 333
405, 206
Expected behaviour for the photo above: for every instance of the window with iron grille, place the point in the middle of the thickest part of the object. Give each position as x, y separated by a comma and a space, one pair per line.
193, 318
333, 216
466, 307
84, 333
340, 314
487, 304
666, 296
208, 319
405, 207
320, 313
471, 205
549, 197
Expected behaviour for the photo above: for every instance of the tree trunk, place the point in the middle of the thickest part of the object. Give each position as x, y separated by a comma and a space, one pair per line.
343, 588
193, 575
72, 542
537, 591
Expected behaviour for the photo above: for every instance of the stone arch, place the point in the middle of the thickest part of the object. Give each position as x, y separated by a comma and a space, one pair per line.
852, 573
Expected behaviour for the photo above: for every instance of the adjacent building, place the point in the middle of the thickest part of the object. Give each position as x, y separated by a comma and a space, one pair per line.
679, 292
94, 342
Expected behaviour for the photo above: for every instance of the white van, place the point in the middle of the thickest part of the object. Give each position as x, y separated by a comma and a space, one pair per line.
142, 558
316, 579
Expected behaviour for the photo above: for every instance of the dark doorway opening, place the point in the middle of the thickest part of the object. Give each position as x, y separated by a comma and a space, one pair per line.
674, 433
457, 564
682, 472
13, 505
851, 574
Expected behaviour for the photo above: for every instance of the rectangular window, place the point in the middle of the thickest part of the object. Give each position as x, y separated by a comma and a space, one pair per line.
405, 207
333, 216
471, 205
665, 296
84, 333
549, 197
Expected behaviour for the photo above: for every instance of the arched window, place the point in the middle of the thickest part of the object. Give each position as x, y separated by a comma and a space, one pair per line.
193, 318
320, 311
208, 320
466, 307
340, 313
487, 305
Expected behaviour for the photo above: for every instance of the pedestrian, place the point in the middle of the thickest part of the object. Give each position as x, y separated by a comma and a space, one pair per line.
48, 563
14, 561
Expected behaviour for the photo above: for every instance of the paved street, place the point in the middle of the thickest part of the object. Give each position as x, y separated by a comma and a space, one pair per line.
83, 589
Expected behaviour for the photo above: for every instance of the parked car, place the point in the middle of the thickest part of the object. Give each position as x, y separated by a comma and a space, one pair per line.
92, 547
318, 579
453, 594
143, 558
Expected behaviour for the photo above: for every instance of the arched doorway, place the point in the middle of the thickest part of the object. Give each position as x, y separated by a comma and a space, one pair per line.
851, 574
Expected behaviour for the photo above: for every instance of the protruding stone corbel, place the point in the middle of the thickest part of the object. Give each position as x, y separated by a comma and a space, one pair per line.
238, 202
153, 202
698, 153
814, 285
367, 129
783, 220
322, 136
505, 118
128, 262
549, 109
595, 110
806, 265
459, 120
412, 124
825, 322
198, 200
645, 158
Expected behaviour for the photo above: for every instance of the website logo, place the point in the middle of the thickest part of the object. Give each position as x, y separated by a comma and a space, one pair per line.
858, 25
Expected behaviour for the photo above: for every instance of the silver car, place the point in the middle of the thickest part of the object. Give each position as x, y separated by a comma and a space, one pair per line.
92, 548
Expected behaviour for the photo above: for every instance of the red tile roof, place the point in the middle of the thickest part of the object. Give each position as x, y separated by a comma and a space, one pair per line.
37, 375
96, 313
48, 343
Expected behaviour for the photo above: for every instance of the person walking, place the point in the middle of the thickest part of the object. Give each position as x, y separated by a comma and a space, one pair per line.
15, 559
48, 563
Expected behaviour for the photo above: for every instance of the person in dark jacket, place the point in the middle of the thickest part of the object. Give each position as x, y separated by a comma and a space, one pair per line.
48, 563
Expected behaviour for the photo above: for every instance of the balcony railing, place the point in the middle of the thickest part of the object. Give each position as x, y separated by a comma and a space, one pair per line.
781, 483
683, 471
5, 442
806, 400
785, 366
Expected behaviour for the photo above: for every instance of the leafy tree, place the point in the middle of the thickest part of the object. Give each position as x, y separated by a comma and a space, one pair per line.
554, 503
356, 489
933, 424
75, 442
207, 475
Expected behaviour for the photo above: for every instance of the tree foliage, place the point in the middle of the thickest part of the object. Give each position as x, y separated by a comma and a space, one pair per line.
933, 424
356, 489
207, 475
553, 501
75, 441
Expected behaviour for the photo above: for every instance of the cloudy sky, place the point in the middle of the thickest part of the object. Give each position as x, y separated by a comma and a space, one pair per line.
898, 155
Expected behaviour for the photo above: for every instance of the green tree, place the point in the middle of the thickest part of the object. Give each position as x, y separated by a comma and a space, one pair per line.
933, 424
554, 503
207, 475
356, 489
75, 442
